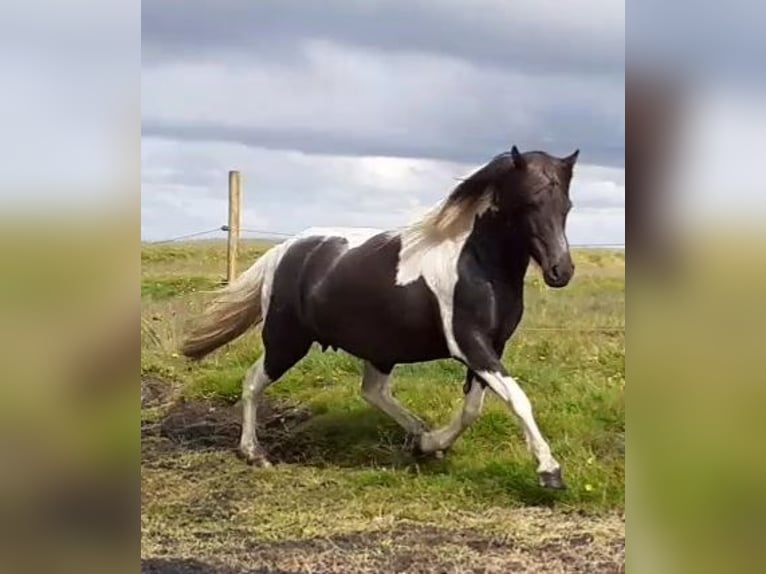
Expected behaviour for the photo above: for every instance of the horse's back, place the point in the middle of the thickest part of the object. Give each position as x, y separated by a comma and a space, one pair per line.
306, 265
350, 299
353, 236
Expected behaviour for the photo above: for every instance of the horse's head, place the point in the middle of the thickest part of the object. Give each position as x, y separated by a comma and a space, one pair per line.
533, 192
527, 193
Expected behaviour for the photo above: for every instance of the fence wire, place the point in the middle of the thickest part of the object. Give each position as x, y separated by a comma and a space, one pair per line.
285, 234
614, 329
187, 236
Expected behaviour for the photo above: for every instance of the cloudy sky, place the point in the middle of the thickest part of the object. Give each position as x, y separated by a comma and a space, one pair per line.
363, 114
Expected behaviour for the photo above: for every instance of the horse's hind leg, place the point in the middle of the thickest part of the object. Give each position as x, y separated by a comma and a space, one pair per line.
254, 383
376, 390
280, 354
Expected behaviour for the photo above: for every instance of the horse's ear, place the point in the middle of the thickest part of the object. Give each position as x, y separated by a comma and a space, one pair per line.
571, 159
518, 160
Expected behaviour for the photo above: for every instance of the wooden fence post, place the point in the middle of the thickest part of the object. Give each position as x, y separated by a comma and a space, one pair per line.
235, 199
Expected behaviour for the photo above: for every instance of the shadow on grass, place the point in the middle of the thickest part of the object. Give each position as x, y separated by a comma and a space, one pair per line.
364, 438
515, 480
289, 433
355, 438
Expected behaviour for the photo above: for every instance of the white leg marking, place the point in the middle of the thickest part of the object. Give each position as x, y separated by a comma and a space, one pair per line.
445, 437
376, 390
253, 385
510, 391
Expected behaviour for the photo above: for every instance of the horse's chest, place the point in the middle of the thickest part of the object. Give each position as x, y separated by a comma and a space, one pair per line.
489, 308
509, 308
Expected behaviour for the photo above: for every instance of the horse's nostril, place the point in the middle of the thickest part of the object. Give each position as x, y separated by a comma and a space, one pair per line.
555, 272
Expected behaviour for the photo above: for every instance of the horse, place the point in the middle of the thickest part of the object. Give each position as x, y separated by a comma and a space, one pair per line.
448, 286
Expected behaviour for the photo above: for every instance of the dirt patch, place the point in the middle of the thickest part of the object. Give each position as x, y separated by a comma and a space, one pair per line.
201, 425
188, 566
412, 548
155, 392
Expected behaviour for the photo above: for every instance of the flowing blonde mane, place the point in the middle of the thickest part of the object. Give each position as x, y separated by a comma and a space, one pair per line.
452, 219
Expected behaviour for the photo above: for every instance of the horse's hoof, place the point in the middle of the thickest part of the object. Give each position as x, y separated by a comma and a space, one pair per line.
412, 443
259, 462
254, 458
552, 479
420, 452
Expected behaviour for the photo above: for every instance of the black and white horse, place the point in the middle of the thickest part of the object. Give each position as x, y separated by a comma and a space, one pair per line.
450, 285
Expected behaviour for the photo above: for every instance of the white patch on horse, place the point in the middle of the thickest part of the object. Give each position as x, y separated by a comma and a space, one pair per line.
270, 263
436, 263
355, 236
435, 258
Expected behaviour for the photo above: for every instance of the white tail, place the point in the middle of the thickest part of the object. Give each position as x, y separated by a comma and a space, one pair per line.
238, 307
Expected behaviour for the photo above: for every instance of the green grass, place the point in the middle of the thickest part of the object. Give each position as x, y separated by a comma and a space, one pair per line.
568, 355
167, 287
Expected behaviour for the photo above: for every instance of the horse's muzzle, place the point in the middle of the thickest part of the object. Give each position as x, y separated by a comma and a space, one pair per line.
559, 274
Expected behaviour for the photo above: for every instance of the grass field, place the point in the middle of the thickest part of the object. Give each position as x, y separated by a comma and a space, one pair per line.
347, 496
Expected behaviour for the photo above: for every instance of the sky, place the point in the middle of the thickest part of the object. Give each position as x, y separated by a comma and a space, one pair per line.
361, 113
365, 114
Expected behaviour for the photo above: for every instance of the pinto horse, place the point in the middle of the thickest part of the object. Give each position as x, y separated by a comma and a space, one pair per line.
450, 285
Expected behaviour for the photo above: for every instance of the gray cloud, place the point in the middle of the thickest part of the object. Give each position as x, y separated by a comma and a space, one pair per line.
528, 35
326, 142
451, 79
344, 99
363, 114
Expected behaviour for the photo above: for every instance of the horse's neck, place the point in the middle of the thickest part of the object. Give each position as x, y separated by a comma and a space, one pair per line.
500, 250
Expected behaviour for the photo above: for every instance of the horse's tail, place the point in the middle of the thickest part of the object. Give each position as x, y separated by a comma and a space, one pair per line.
238, 307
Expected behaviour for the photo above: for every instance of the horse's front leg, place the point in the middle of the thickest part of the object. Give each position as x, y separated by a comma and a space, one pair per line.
486, 364
445, 437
